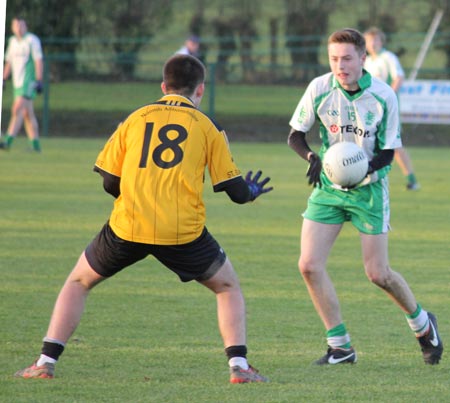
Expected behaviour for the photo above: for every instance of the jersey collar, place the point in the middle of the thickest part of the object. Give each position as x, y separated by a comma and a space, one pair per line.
176, 98
364, 82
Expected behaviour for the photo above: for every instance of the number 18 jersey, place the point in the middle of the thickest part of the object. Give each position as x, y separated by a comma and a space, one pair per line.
160, 153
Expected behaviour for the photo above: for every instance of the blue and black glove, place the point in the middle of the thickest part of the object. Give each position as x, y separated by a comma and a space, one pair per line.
256, 188
38, 87
314, 169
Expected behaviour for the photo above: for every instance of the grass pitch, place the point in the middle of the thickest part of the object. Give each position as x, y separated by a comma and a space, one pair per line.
145, 337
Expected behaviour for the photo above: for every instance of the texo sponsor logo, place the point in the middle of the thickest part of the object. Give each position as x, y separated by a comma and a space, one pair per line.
350, 129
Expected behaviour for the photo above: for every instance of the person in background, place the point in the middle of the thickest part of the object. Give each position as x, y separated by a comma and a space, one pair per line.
349, 105
191, 47
154, 166
24, 60
385, 65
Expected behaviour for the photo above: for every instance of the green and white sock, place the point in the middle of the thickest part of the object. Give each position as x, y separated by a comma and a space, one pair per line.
418, 321
9, 140
411, 178
337, 337
35, 143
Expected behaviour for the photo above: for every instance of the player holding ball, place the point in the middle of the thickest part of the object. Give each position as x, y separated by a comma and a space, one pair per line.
351, 105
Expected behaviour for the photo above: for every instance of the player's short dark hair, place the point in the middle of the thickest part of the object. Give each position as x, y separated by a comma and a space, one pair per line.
183, 73
349, 35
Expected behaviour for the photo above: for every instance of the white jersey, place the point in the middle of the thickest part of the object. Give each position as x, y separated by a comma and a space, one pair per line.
369, 118
384, 66
21, 54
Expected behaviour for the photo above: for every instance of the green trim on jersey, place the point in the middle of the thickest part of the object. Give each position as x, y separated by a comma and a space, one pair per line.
369, 118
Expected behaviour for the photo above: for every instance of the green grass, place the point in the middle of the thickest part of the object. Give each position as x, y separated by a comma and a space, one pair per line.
145, 337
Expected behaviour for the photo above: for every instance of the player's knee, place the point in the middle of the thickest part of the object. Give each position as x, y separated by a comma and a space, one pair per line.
380, 278
306, 267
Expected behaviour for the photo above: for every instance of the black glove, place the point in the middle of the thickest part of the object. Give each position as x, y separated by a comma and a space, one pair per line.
256, 188
314, 169
38, 87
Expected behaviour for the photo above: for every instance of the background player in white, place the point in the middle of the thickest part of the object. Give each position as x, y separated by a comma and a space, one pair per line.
350, 105
385, 65
190, 47
23, 59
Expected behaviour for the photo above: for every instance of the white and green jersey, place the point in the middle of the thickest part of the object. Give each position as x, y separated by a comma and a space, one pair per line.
21, 54
369, 118
384, 66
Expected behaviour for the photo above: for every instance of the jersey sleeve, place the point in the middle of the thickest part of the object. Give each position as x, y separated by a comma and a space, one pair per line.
8, 54
392, 137
110, 159
36, 48
220, 162
304, 116
395, 68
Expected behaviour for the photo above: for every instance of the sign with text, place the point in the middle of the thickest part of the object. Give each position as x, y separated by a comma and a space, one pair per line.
425, 101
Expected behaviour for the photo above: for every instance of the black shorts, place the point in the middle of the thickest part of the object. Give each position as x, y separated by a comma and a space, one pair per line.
197, 260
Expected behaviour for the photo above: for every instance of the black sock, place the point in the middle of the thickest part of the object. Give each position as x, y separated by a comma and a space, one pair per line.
236, 351
52, 350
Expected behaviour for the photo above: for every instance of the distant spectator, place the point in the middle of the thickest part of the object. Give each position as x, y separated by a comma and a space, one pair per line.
191, 47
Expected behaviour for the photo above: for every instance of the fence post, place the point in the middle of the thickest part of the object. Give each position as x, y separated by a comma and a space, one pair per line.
46, 107
212, 89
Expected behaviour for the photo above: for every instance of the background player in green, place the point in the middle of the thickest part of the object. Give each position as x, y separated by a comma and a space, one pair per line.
154, 165
23, 58
349, 105
383, 64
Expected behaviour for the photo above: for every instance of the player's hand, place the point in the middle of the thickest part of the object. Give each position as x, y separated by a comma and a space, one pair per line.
256, 188
38, 87
314, 169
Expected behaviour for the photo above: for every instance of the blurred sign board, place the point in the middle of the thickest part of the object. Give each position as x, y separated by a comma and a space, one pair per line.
425, 101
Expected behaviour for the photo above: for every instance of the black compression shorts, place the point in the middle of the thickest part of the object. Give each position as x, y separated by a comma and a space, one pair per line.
197, 260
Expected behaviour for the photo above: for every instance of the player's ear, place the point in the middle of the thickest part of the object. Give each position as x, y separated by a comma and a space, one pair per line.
164, 88
200, 90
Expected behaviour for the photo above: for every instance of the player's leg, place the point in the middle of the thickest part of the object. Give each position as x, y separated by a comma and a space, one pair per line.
105, 256
70, 302
421, 322
16, 120
31, 125
230, 305
376, 264
404, 161
65, 318
316, 242
232, 322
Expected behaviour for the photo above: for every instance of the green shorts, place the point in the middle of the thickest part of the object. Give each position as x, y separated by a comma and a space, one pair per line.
28, 90
366, 207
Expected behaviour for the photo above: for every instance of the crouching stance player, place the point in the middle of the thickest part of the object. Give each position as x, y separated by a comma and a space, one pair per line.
154, 165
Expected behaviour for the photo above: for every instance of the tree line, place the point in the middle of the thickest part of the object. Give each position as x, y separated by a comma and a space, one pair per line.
125, 27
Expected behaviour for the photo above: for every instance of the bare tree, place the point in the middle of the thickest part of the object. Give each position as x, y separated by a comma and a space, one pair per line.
306, 23
125, 27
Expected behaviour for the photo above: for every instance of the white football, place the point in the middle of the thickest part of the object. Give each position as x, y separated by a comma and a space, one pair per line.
345, 164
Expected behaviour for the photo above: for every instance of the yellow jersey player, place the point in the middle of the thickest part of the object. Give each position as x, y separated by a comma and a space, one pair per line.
154, 165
